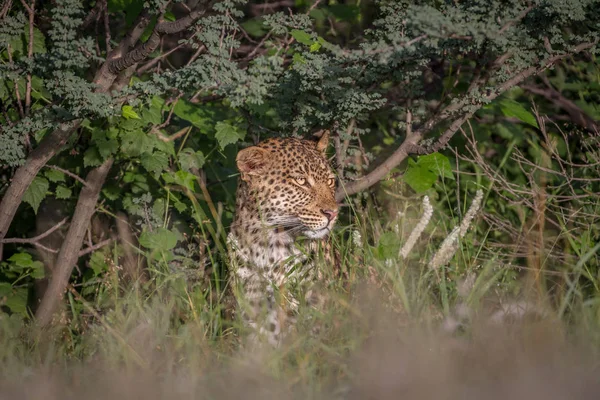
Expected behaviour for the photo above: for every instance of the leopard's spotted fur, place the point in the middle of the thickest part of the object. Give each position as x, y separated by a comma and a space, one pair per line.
286, 190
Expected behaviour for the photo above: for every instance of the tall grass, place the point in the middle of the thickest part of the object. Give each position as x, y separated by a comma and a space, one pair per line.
392, 327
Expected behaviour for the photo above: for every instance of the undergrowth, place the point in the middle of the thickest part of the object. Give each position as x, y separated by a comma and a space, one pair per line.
176, 334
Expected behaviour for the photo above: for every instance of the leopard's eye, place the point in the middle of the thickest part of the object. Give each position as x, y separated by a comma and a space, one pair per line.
300, 181
331, 182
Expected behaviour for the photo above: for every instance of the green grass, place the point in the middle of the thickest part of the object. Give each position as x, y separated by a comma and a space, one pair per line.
391, 328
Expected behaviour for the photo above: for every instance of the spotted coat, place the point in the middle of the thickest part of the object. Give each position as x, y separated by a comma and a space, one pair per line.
286, 190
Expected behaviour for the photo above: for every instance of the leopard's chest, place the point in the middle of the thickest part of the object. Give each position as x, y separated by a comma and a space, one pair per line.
277, 260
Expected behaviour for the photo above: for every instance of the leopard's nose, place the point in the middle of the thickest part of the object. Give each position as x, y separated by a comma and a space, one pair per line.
330, 214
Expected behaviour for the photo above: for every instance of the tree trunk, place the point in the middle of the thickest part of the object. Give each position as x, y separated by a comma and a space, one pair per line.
69, 251
25, 174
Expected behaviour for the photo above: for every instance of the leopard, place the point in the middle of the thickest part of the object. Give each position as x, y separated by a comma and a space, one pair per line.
286, 191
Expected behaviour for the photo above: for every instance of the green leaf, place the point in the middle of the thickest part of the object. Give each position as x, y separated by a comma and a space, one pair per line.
200, 117
98, 263
188, 159
107, 147
54, 175
5, 289
135, 143
17, 301
160, 239
23, 260
36, 192
302, 37
153, 114
92, 157
155, 162
181, 178
227, 134
315, 47
511, 108
63, 192
420, 179
37, 270
254, 27
388, 246
128, 113
298, 59
438, 164
111, 191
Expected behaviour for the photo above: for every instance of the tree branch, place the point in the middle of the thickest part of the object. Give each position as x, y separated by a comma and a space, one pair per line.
70, 249
410, 144
577, 115
143, 50
27, 172
37, 238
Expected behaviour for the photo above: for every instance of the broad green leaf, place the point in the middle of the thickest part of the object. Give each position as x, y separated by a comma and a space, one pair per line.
135, 143
420, 179
5, 289
254, 27
388, 246
511, 108
107, 147
127, 112
23, 260
153, 114
36, 192
155, 162
63, 192
315, 47
159, 239
37, 270
188, 159
17, 301
227, 134
165, 147
199, 116
54, 175
111, 191
438, 164
98, 262
92, 157
181, 178
302, 37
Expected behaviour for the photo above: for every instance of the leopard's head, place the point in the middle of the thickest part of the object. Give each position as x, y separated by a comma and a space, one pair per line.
291, 184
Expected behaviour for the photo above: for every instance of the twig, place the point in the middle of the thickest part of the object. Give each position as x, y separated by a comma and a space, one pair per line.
576, 114
95, 247
69, 173
35, 238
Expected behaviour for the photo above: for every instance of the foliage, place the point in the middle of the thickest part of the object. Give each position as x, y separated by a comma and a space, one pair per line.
422, 98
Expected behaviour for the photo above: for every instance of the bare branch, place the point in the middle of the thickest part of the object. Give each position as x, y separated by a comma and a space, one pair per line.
95, 247
68, 173
578, 116
37, 238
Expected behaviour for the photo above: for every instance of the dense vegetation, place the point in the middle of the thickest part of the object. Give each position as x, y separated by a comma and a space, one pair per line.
119, 125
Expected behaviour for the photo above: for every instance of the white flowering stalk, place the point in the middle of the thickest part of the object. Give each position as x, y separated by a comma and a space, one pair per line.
418, 230
450, 244
357, 239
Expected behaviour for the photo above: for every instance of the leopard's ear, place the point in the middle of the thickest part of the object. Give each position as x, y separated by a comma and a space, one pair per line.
252, 161
323, 140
